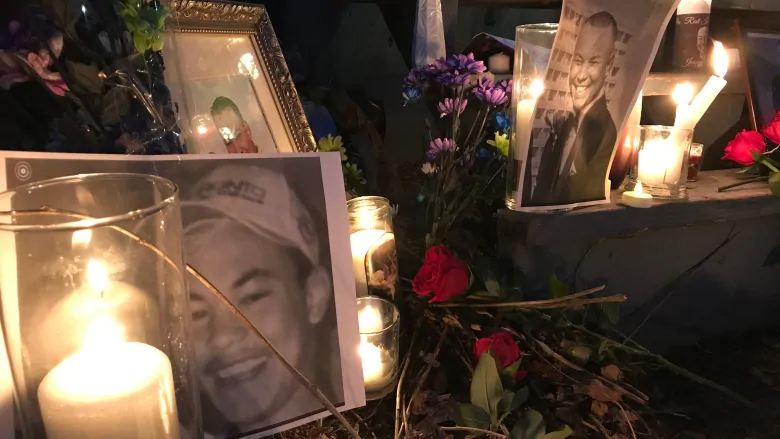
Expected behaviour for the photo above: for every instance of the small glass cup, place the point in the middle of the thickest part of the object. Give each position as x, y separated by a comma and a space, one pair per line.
374, 259
662, 161
379, 335
534, 44
694, 161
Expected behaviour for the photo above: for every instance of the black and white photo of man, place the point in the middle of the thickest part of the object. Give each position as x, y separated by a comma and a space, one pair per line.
575, 161
249, 233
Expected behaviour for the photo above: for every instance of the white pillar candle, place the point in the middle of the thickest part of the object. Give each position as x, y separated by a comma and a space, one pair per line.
659, 162
682, 96
361, 242
110, 389
499, 63
716, 83
525, 117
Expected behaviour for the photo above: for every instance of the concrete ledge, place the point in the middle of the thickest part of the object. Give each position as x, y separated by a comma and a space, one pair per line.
705, 205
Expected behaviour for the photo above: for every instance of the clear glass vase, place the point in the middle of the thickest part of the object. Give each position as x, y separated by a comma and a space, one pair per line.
374, 259
662, 161
533, 46
379, 335
95, 309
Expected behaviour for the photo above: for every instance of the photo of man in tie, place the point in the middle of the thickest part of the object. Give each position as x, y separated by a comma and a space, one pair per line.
575, 160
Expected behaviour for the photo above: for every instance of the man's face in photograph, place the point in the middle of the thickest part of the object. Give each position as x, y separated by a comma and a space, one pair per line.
238, 372
701, 41
234, 131
588, 71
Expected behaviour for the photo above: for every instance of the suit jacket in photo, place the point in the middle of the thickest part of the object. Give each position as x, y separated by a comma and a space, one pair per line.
589, 159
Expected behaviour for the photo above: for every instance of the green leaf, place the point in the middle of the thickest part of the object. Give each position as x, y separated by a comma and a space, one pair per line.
157, 44
530, 426
612, 312
557, 288
486, 388
560, 434
141, 44
505, 405
493, 287
521, 396
512, 368
470, 415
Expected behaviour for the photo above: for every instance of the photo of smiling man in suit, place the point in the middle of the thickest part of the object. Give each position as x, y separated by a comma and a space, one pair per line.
575, 160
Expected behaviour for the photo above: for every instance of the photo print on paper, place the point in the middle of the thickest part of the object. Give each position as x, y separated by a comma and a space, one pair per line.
263, 231
601, 56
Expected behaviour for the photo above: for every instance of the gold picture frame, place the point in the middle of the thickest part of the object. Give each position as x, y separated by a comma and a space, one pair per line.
270, 79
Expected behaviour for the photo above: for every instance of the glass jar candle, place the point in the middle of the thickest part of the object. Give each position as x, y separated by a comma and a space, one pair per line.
533, 45
694, 161
374, 259
662, 161
95, 308
379, 325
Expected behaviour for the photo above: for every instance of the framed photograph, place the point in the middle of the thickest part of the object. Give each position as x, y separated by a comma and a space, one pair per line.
271, 233
760, 50
229, 81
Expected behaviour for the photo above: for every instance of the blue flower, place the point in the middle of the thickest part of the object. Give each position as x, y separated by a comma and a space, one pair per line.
410, 95
501, 121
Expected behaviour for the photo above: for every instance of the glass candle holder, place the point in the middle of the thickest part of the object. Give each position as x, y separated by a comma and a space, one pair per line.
533, 46
694, 161
379, 334
662, 161
95, 308
374, 259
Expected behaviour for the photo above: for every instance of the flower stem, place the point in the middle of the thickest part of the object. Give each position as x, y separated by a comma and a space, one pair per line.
741, 183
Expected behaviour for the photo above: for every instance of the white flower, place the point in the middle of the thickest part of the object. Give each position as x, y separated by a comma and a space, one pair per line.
428, 168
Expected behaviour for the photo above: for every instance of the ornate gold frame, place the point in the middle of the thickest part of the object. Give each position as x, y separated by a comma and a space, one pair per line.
224, 17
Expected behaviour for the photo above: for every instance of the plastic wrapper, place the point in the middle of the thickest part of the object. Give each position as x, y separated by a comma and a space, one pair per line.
428, 33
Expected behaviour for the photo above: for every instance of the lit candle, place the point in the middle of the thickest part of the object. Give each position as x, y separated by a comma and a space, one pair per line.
703, 100
361, 242
499, 63
378, 369
682, 96
110, 387
525, 116
637, 198
659, 162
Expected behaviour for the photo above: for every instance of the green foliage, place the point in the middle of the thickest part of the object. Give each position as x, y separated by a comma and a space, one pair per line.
333, 144
145, 22
531, 426
486, 387
774, 183
557, 288
470, 415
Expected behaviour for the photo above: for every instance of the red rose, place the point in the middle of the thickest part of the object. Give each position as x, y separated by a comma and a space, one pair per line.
520, 375
501, 345
739, 149
772, 131
442, 274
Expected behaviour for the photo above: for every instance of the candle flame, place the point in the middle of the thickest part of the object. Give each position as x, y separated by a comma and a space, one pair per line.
720, 59
97, 275
638, 188
101, 331
683, 94
536, 89
81, 237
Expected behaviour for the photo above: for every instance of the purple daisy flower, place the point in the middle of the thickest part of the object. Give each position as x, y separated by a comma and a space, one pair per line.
466, 63
452, 79
437, 67
490, 93
415, 78
484, 83
438, 146
506, 85
452, 107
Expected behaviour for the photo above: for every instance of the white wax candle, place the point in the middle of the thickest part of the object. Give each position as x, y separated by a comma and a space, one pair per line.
120, 391
712, 88
377, 367
659, 162
682, 95
637, 198
369, 320
499, 63
361, 242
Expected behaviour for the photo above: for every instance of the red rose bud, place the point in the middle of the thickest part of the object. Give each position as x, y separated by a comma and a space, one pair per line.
520, 375
739, 149
501, 345
772, 131
442, 274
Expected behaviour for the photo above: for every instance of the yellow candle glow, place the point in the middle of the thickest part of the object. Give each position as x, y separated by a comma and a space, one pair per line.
659, 162
703, 100
637, 198
525, 115
110, 388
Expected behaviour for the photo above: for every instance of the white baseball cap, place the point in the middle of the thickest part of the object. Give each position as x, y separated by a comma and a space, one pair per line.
259, 199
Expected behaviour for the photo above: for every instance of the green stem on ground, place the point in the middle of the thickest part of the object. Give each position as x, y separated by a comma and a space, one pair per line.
742, 183
478, 431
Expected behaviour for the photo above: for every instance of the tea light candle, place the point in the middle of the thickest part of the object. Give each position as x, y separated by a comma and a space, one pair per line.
111, 389
637, 198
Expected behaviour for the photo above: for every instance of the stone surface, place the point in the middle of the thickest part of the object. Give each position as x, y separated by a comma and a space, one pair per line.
690, 269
